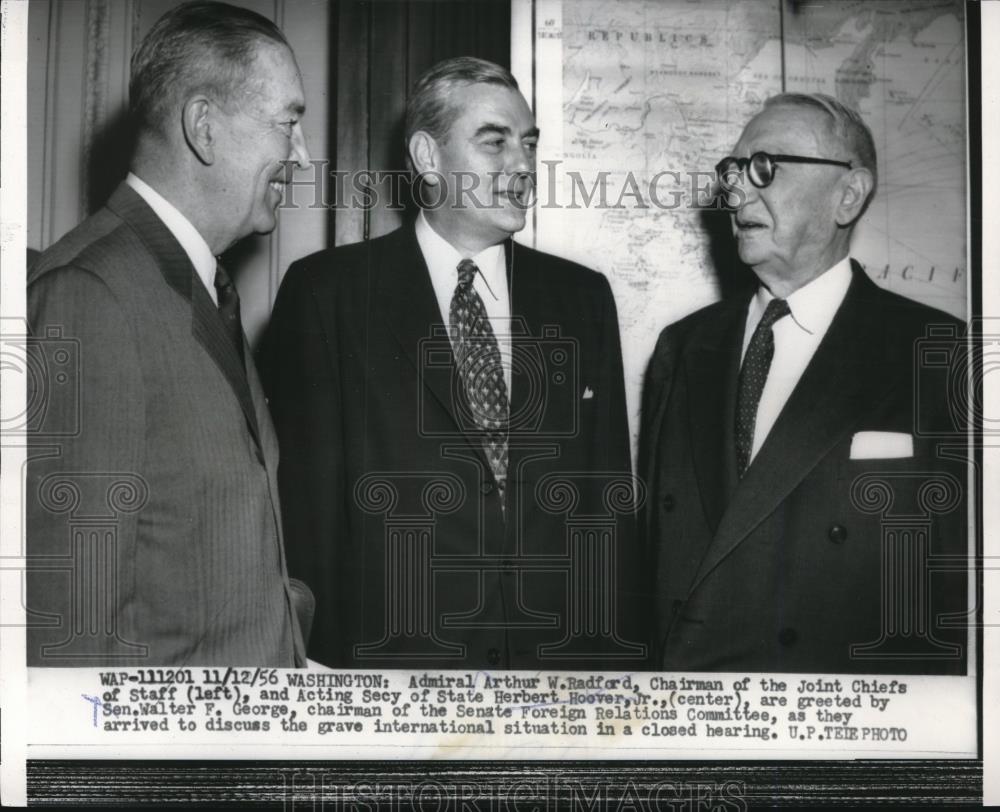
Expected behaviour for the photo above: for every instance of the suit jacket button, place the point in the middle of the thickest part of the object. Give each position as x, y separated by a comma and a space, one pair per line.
676, 605
486, 487
493, 656
668, 502
837, 533
788, 637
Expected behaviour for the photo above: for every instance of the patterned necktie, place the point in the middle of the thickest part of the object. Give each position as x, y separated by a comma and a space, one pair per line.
477, 355
753, 376
229, 307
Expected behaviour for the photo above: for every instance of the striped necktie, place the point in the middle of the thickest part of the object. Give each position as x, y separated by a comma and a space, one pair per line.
229, 307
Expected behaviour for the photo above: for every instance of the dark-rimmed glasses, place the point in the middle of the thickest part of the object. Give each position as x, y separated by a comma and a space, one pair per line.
761, 165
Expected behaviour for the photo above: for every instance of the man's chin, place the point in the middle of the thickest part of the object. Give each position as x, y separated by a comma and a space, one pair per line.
266, 223
512, 220
750, 253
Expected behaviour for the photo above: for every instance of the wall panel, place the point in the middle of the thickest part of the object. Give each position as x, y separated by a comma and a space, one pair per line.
357, 58
351, 72
387, 92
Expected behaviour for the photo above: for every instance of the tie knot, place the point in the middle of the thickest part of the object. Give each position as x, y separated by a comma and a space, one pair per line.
776, 309
222, 280
467, 271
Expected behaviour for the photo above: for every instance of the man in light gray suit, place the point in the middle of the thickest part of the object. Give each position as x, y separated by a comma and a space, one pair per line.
153, 523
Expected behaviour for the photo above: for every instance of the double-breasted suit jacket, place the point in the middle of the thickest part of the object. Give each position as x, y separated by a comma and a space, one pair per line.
819, 550
153, 524
392, 513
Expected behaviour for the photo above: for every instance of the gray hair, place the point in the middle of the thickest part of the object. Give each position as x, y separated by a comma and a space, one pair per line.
198, 47
429, 106
847, 127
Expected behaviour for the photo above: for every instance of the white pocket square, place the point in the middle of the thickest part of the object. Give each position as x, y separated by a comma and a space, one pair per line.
588, 393
881, 445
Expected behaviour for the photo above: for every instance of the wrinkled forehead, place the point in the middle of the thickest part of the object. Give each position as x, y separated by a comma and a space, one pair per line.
476, 104
791, 130
275, 79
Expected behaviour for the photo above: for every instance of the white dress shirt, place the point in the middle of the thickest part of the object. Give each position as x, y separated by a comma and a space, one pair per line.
796, 338
442, 260
187, 235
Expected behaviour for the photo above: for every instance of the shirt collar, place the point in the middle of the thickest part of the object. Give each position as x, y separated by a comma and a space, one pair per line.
814, 305
186, 234
442, 257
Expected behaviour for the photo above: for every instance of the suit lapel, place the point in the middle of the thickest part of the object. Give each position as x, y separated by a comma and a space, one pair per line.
836, 389
179, 273
532, 307
528, 309
712, 368
410, 311
209, 330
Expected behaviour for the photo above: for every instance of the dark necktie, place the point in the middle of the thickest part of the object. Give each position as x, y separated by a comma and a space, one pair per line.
753, 376
477, 355
229, 307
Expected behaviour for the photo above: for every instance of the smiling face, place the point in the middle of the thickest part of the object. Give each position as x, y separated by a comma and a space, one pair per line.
788, 232
259, 134
486, 163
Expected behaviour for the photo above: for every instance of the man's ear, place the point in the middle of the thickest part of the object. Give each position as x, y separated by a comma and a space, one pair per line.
855, 189
197, 121
424, 156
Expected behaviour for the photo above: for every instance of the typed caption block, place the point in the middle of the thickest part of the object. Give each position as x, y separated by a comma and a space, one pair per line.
515, 714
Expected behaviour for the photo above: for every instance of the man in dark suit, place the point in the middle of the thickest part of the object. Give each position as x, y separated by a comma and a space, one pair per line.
153, 527
800, 513
450, 407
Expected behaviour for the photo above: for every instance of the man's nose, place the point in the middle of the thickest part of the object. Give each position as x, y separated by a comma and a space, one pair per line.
738, 191
522, 160
300, 152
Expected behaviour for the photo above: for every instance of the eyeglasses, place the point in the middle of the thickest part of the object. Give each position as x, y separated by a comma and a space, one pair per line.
760, 167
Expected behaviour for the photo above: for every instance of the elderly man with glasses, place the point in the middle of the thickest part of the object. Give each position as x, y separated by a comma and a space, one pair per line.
790, 443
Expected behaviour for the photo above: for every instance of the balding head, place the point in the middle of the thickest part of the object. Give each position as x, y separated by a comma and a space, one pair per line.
847, 130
